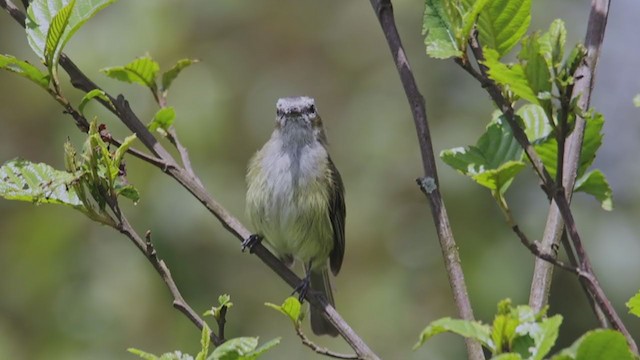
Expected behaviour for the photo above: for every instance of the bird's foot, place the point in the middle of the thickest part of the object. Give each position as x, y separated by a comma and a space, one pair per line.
250, 242
302, 289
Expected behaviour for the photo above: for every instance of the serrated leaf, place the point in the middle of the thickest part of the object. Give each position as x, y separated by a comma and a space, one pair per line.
291, 307
95, 93
502, 23
205, 341
537, 125
236, 348
591, 142
163, 119
38, 183
438, 27
24, 69
596, 184
54, 38
467, 329
172, 74
468, 20
536, 68
41, 13
546, 336
634, 304
552, 43
512, 78
142, 70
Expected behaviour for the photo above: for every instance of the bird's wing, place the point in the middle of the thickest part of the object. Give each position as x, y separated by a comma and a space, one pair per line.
337, 213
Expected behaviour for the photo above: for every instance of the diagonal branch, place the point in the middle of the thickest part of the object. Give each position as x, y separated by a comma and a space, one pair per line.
429, 184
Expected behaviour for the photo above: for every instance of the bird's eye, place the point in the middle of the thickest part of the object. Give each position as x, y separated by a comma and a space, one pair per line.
312, 108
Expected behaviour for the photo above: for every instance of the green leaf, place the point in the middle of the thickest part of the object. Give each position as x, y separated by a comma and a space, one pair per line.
507, 356
95, 93
511, 77
38, 183
54, 38
467, 329
142, 71
545, 336
552, 43
205, 341
40, 15
537, 126
163, 119
438, 27
128, 191
634, 304
603, 344
468, 20
536, 69
142, 354
636, 100
596, 184
172, 74
264, 348
592, 141
236, 348
291, 307
502, 23
493, 162
24, 69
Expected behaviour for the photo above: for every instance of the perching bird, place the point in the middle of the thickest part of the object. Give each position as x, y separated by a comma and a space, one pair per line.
295, 199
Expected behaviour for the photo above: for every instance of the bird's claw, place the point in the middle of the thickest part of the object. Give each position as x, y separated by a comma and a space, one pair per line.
250, 242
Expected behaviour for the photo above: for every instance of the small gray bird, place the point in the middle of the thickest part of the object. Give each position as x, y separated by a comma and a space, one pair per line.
295, 199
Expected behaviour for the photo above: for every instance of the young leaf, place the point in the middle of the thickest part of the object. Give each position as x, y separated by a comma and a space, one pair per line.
468, 20
545, 336
634, 304
54, 37
95, 93
636, 100
172, 74
552, 43
502, 23
236, 348
513, 78
142, 354
592, 141
205, 341
537, 126
595, 183
467, 329
24, 69
163, 119
38, 183
264, 348
535, 68
142, 70
41, 13
439, 30
291, 307
507, 356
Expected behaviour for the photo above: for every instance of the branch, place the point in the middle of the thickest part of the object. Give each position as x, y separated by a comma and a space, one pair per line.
584, 80
430, 186
192, 183
321, 350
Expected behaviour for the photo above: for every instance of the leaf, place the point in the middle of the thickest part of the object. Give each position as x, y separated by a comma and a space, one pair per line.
512, 78
24, 69
546, 337
142, 71
41, 13
163, 119
95, 93
507, 356
537, 125
172, 74
552, 43
592, 141
536, 69
54, 37
634, 304
467, 329
603, 344
502, 23
264, 348
493, 162
205, 341
468, 20
636, 100
128, 191
235, 348
439, 31
291, 307
596, 184
38, 183
142, 354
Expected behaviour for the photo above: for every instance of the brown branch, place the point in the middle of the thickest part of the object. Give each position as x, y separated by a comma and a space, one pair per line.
322, 350
120, 107
430, 186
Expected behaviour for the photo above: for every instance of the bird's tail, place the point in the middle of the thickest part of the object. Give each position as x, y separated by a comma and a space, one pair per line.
320, 282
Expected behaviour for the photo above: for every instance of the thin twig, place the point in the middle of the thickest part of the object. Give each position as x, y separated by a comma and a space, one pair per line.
322, 350
384, 13
222, 321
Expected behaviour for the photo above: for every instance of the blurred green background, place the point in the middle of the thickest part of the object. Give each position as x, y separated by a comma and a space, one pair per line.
71, 289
